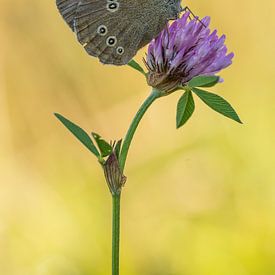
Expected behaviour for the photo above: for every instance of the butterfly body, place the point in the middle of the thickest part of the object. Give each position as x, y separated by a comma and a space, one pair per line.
114, 30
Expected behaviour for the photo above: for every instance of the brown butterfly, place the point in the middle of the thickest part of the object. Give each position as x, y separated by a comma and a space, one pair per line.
114, 30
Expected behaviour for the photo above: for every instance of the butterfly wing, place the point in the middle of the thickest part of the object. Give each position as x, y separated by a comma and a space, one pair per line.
113, 30
67, 9
123, 32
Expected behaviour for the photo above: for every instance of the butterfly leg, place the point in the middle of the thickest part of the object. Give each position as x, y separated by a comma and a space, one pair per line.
194, 16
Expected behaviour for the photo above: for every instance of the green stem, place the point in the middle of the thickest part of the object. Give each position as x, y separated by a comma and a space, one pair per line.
131, 131
122, 159
115, 234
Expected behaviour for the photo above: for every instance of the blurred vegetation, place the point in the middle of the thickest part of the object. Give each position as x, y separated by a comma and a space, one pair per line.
198, 201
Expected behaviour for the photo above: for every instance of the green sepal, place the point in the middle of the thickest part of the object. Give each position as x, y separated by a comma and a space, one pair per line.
117, 148
185, 108
204, 81
217, 103
79, 133
136, 66
104, 147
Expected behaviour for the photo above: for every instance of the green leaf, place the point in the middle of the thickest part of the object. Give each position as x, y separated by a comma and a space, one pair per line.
217, 103
136, 66
79, 133
104, 147
203, 81
185, 108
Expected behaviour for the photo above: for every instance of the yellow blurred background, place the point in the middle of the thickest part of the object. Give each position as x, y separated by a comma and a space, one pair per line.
198, 201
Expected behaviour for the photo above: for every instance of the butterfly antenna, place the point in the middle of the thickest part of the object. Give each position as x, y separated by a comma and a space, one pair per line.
194, 16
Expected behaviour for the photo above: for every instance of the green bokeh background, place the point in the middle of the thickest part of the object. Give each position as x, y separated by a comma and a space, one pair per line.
198, 201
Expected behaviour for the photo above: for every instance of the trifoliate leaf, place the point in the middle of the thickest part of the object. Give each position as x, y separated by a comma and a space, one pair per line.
185, 108
217, 103
136, 66
79, 133
104, 147
203, 81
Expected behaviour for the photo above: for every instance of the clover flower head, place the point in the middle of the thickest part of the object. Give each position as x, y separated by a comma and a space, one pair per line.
183, 50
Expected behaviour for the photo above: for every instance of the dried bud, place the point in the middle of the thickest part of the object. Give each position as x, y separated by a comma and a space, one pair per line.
113, 174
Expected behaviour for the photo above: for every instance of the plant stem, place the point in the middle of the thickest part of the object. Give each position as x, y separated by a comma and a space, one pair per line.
131, 131
115, 234
122, 159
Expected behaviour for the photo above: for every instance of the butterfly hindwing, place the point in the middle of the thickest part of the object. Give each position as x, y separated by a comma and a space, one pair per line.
67, 9
104, 34
114, 30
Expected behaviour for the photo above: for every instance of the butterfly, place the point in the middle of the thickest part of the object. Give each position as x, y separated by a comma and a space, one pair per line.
114, 30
